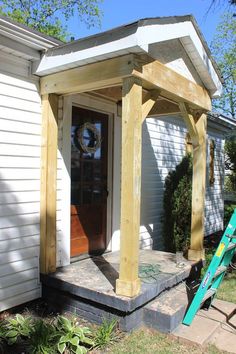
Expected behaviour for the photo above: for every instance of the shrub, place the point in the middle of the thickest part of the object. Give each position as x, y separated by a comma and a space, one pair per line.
17, 328
72, 337
228, 211
177, 207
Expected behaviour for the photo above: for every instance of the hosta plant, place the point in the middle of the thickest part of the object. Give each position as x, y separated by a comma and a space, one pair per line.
73, 338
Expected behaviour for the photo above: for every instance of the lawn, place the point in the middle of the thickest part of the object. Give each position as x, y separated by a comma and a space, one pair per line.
151, 342
227, 289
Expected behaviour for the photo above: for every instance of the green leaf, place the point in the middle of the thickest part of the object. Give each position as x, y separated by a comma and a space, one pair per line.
20, 319
12, 340
65, 339
61, 347
75, 341
11, 334
81, 350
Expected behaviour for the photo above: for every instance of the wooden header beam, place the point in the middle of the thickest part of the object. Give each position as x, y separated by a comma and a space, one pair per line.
172, 85
89, 77
110, 72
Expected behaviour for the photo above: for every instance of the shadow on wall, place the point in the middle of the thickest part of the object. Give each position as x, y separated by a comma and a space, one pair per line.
19, 240
163, 149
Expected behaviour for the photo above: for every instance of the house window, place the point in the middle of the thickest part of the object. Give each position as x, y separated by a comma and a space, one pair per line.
212, 162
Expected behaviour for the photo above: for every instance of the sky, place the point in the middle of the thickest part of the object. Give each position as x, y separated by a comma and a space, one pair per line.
120, 12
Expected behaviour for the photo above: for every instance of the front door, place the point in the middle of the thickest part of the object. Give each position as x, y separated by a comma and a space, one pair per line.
89, 145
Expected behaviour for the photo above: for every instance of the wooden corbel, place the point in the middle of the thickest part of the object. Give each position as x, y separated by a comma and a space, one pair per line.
190, 119
148, 102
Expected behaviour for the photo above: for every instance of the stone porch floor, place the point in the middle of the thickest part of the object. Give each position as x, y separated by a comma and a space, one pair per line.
87, 287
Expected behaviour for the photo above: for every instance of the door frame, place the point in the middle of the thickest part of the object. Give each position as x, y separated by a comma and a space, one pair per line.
100, 105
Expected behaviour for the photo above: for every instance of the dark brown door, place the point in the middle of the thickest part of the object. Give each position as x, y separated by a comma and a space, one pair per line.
89, 144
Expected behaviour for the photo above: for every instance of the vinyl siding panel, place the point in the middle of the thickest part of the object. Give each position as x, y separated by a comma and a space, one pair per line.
20, 148
162, 149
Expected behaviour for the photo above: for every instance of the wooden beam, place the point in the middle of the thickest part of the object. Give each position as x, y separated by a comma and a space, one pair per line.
48, 184
89, 77
172, 85
107, 73
148, 102
128, 283
196, 251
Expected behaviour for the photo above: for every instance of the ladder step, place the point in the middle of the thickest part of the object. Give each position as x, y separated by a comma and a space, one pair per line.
208, 294
231, 246
220, 270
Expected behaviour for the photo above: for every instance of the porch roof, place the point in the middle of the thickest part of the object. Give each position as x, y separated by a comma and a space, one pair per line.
137, 37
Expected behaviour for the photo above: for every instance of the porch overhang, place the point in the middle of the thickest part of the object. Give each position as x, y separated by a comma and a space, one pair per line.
111, 72
146, 86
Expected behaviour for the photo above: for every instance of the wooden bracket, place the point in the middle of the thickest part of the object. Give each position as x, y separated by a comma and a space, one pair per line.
190, 121
149, 101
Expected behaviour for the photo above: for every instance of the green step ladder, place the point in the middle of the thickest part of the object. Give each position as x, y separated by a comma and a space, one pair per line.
215, 272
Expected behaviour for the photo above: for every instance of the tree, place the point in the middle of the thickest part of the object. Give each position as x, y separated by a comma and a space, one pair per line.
221, 2
49, 16
224, 51
230, 163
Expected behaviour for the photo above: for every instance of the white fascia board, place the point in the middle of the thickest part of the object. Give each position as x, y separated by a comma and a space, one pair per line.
29, 53
55, 62
62, 58
26, 36
190, 40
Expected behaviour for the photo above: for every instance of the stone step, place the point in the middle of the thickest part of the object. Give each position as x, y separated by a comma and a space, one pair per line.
166, 312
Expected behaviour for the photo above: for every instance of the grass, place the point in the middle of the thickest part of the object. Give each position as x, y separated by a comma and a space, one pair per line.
151, 342
227, 288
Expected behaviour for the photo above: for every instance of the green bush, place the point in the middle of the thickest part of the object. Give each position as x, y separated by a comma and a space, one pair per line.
177, 207
228, 211
40, 336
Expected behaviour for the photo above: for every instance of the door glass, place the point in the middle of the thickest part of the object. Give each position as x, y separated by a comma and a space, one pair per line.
88, 179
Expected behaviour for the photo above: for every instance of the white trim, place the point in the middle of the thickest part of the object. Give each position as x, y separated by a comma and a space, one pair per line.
99, 105
139, 41
66, 163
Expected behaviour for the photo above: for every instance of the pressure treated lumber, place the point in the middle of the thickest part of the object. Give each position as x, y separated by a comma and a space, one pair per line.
48, 183
197, 130
128, 283
196, 250
110, 72
148, 102
89, 77
172, 85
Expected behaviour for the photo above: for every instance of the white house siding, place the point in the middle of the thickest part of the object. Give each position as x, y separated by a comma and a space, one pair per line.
20, 130
214, 207
163, 148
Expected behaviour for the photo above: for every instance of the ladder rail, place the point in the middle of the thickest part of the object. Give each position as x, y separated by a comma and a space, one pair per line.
212, 280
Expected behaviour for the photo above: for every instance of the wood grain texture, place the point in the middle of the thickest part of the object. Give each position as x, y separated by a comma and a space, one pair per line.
89, 77
148, 102
198, 192
48, 184
172, 85
128, 283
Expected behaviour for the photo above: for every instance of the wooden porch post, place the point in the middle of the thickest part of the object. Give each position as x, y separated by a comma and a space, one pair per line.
48, 183
128, 283
196, 125
196, 251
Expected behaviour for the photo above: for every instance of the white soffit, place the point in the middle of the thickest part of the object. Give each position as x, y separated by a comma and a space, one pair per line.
136, 38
